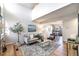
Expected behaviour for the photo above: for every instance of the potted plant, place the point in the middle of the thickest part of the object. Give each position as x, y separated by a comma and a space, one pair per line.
17, 28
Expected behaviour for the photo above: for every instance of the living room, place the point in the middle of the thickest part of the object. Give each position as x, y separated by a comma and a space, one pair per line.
41, 36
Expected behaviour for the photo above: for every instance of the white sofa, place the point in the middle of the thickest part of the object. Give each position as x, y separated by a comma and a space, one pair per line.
30, 39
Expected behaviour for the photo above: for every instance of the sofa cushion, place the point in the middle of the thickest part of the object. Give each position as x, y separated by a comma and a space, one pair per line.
31, 36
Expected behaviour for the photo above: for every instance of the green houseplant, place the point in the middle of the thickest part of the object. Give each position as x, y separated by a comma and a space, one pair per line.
17, 28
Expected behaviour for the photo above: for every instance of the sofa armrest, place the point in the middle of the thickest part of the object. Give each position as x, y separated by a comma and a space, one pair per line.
26, 40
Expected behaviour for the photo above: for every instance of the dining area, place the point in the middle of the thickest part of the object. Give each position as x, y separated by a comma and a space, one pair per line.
72, 47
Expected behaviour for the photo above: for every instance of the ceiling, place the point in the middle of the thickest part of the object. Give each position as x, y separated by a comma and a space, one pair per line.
28, 5
58, 14
54, 15
44, 8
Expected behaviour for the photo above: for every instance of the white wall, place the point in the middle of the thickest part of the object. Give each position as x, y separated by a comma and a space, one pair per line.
15, 13
70, 27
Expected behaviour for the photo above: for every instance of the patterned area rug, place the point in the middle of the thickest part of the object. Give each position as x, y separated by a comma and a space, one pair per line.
36, 50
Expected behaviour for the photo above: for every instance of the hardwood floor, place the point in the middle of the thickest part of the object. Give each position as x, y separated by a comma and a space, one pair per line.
11, 51
60, 51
